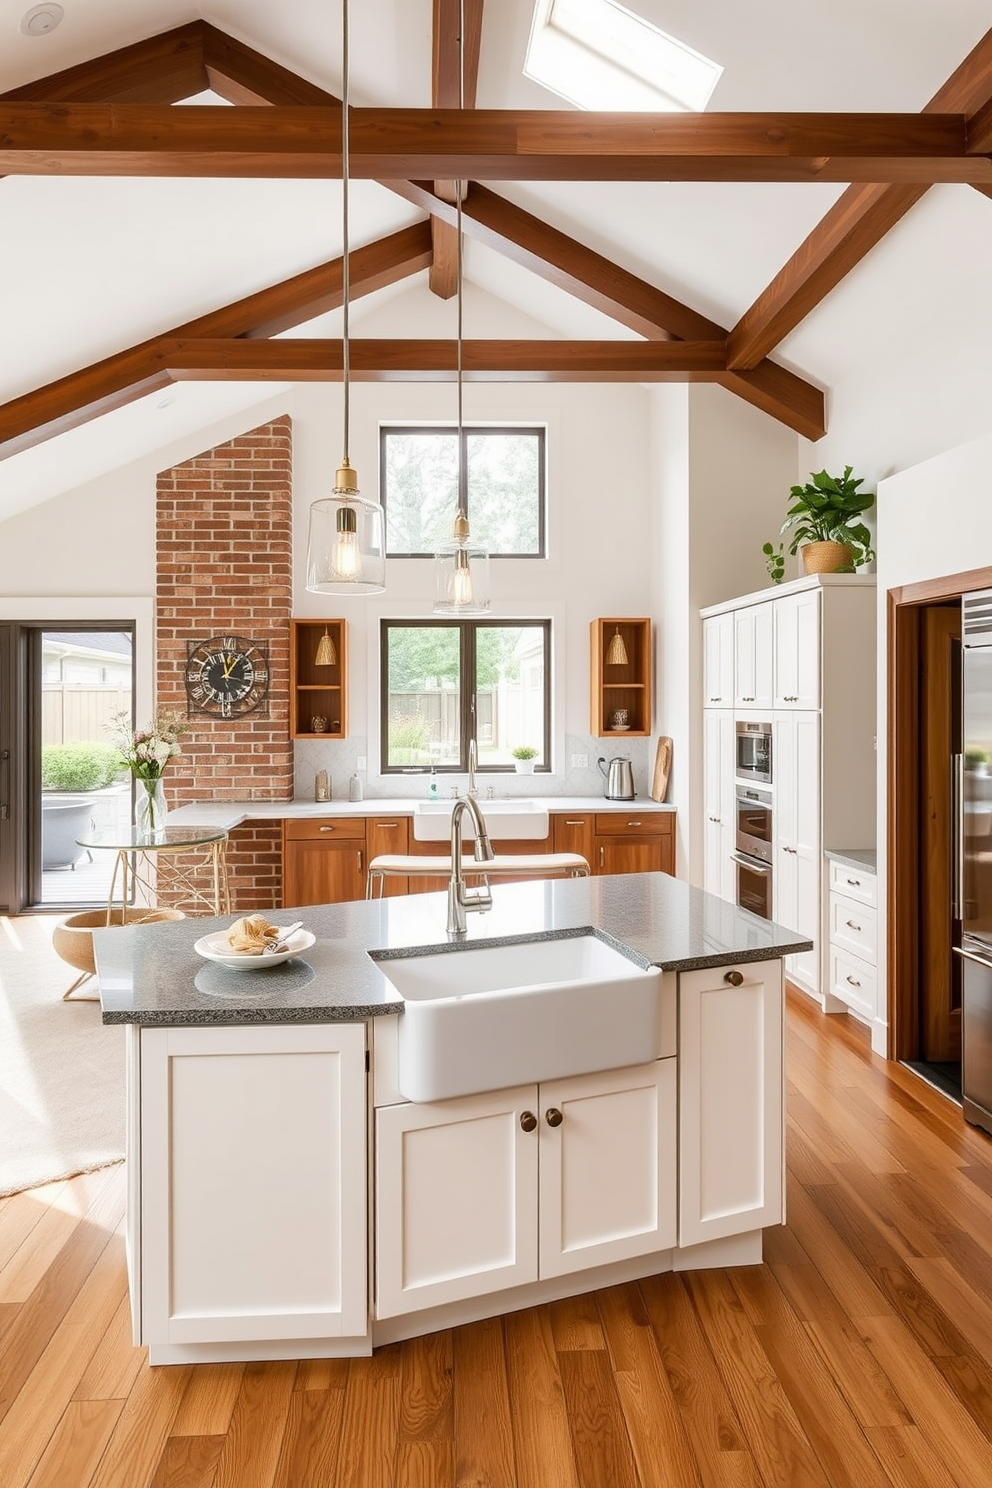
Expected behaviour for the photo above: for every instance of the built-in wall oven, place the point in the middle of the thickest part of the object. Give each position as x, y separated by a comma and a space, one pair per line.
754, 752
753, 857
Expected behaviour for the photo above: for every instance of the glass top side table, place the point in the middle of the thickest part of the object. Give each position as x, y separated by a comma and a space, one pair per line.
190, 862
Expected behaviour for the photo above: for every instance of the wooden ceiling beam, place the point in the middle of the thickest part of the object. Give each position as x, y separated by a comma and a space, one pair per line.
485, 144
128, 375
163, 69
240, 75
454, 84
857, 221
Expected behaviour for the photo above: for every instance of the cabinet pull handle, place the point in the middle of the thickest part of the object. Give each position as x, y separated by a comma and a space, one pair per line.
328, 829
359, 860
576, 823
716, 700
855, 882
384, 826
635, 824
553, 1116
528, 1121
852, 926
733, 977
602, 857
854, 981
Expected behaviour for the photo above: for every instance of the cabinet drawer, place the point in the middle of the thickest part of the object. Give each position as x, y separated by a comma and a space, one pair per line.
853, 981
853, 927
853, 883
634, 823
318, 828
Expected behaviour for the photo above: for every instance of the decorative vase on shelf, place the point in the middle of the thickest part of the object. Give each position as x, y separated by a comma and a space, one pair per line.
150, 810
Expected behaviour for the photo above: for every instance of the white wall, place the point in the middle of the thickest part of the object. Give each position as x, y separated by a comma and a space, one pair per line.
721, 473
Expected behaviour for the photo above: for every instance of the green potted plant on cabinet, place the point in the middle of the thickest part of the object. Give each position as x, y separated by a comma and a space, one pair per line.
822, 521
524, 756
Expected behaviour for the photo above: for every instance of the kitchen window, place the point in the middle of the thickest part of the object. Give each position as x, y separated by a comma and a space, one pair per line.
446, 682
503, 472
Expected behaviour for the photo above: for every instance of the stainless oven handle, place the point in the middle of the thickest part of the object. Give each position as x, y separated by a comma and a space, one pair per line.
971, 956
752, 863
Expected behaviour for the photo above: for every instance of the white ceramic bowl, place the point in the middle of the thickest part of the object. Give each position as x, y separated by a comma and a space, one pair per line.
217, 948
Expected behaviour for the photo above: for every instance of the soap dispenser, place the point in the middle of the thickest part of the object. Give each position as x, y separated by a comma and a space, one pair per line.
432, 791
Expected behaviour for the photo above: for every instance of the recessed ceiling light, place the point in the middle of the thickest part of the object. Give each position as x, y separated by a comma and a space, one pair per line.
41, 19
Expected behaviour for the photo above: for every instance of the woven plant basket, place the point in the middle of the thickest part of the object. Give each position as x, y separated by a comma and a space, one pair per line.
827, 557
73, 939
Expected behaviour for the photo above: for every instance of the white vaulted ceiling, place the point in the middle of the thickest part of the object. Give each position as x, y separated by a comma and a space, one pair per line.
91, 266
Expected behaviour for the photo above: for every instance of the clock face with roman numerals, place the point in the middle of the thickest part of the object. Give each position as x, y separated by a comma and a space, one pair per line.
227, 676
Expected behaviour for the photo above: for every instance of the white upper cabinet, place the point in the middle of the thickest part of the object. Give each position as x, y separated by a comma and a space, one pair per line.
753, 667
718, 661
796, 625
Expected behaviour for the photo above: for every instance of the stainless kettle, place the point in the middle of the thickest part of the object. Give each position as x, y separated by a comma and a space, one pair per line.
619, 777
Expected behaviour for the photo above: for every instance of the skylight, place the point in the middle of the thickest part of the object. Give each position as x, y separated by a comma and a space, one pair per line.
599, 55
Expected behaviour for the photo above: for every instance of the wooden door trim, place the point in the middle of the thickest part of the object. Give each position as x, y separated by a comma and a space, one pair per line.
903, 604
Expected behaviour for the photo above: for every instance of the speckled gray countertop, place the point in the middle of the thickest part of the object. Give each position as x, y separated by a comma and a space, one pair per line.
854, 857
150, 974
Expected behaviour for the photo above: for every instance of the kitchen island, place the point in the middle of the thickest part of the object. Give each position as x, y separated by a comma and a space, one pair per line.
286, 1200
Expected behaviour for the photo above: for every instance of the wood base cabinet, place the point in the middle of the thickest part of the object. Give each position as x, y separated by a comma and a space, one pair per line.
493, 1191
253, 1184
731, 1101
323, 860
619, 842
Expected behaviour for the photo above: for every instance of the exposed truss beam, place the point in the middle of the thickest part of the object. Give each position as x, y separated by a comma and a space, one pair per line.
128, 375
163, 69
486, 144
857, 221
454, 84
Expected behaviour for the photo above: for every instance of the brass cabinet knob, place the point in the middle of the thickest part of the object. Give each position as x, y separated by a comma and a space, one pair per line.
528, 1121
733, 977
553, 1116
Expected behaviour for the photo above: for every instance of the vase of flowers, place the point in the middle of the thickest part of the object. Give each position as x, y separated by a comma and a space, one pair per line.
146, 752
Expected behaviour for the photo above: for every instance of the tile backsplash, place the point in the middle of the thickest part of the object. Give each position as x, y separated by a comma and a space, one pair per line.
340, 759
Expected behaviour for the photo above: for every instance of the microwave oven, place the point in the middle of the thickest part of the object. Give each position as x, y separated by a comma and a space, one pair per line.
754, 752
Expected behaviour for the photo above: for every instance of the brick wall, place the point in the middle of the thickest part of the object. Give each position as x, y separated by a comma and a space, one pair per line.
224, 559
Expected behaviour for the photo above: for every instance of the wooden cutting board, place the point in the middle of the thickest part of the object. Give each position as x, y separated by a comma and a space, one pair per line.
662, 769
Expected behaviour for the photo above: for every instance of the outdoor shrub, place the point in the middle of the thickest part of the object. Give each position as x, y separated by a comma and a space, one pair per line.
79, 766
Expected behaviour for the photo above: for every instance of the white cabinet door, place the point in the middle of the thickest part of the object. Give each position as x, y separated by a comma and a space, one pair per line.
731, 1101
719, 831
753, 656
797, 851
797, 650
456, 1199
607, 1167
718, 661
253, 1179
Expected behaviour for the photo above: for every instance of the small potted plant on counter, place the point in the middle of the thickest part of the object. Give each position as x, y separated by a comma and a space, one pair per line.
822, 521
524, 757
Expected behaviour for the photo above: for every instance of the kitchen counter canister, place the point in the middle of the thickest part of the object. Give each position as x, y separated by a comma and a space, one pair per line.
150, 974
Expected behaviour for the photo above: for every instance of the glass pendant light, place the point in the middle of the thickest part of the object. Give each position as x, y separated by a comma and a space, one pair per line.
346, 550
461, 567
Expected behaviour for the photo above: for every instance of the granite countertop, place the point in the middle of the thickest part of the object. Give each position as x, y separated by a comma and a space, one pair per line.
230, 814
854, 857
150, 974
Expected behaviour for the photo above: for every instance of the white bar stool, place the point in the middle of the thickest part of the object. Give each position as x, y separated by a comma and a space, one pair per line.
522, 865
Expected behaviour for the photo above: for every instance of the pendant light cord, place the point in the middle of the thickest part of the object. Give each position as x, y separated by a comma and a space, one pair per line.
345, 255
462, 483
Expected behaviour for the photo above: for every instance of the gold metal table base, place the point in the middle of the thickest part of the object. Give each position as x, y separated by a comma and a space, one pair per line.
191, 877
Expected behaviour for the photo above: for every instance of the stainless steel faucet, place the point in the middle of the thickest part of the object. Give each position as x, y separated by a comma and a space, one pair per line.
462, 900
473, 765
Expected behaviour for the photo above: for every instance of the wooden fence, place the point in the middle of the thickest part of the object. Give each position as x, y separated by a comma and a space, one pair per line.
73, 714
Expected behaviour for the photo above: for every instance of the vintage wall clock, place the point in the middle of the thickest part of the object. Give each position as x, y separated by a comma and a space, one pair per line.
226, 676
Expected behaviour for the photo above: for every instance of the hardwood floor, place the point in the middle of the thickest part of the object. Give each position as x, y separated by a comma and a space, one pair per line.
858, 1356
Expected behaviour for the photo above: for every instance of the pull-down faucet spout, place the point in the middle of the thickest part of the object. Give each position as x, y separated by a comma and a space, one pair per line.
461, 899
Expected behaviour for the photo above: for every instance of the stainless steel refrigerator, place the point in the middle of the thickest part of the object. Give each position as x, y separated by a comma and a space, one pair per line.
973, 876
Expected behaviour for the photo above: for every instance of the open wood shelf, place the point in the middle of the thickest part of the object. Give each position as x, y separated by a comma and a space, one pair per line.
318, 691
624, 686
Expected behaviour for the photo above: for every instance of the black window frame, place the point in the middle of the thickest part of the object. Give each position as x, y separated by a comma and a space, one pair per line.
537, 430
467, 629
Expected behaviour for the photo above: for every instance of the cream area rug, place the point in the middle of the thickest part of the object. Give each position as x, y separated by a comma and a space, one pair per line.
61, 1069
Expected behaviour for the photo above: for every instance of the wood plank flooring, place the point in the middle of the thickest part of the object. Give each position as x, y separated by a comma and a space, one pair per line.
858, 1356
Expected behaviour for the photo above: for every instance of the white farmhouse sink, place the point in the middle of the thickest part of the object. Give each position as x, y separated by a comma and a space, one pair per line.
486, 1017
524, 819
